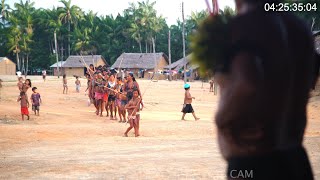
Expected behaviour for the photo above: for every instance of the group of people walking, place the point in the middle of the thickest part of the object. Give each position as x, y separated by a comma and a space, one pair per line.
119, 97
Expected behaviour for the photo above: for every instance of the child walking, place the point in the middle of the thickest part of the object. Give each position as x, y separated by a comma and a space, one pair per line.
35, 100
134, 113
123, 101
187, 107
211, 85
78, 84
24, 105
65, 84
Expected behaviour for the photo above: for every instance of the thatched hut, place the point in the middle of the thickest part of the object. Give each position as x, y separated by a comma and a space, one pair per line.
7, 67
55, 68
191, 69
74, 65
142, 63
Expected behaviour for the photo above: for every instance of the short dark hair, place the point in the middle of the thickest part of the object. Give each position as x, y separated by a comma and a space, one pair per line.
34, 88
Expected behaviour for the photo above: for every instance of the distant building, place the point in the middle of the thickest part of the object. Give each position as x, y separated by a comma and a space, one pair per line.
7, 67
55, 68
76, 66
142, 64
178, 68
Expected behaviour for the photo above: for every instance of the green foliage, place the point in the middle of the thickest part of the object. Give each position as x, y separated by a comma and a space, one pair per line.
211, 43
28, 33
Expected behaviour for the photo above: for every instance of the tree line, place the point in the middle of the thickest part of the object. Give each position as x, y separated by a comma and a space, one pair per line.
27, 33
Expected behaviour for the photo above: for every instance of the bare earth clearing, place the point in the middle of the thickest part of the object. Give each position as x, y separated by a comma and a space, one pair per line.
68, 140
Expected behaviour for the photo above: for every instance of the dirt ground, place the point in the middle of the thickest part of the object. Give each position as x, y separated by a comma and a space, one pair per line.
69, 141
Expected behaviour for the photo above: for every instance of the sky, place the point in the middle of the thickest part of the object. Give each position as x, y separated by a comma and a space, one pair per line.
170, 9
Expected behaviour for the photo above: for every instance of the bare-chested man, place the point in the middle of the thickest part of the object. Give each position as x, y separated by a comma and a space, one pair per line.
264, 92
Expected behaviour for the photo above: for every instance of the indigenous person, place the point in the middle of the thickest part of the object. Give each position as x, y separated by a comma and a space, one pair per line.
187, 107
24, 103
44, 74
112, 86
98, 93
35, 100
130, 86
20, 83
93, 83
26, 85
211, 85
262, 115
65, 84
91, 80
106, 92
118, 99
91, 70
123, 102
78, 84
90, 76
133, 108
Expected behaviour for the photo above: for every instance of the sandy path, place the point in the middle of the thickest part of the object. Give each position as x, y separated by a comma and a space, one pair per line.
69, 141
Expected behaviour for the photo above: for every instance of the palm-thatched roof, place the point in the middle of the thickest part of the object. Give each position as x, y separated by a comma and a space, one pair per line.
180, 64
174, 64
139, 60
60, 64
76, 61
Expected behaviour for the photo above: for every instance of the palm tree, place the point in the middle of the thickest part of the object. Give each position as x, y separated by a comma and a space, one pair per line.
148, 24
14, 38
146, 17
69, 14
136, 34
85, 35
53, 25
24, 14
83, 41
4, 12
27, 39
